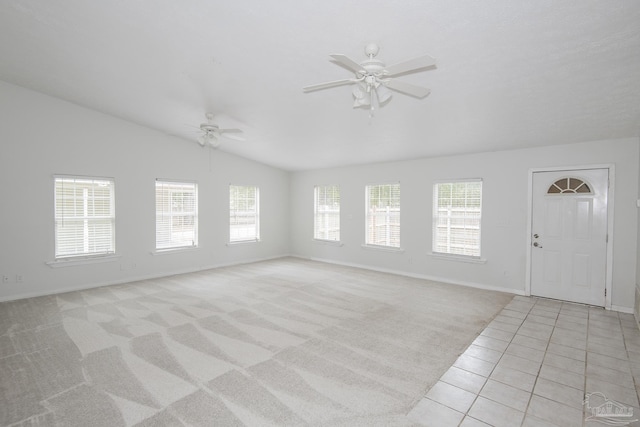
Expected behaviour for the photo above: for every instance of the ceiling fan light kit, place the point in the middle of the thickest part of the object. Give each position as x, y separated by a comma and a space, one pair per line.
373, 78
209, 139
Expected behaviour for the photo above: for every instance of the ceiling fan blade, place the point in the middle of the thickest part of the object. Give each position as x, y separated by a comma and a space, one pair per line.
347, 62
328, 85
407, 88
234, 136
411, 65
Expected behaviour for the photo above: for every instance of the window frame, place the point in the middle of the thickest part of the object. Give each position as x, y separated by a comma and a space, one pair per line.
317, 212
476, 254
368, 216
255, 237
178, 244
87, 221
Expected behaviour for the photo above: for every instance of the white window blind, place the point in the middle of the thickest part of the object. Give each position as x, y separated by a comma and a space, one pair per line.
244, 213
84, 216
457, 211
326, 224
176, 214
383, 215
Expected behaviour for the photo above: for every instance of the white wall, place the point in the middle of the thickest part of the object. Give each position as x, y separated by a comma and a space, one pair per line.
41, 136
505, 208
637, 295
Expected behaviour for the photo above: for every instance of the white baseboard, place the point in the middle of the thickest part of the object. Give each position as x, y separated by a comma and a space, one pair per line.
418, 276
134, 279
476, 285
621, 309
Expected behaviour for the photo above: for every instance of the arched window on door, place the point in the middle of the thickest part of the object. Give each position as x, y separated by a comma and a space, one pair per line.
569, 185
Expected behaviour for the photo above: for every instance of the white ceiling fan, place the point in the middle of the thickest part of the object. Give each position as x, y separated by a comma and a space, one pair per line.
374, 78
211, 133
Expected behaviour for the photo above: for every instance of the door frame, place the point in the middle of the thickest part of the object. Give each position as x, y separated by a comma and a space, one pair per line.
610, 212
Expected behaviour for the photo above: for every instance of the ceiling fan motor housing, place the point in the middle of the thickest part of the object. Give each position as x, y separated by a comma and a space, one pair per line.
373, 67
208, 128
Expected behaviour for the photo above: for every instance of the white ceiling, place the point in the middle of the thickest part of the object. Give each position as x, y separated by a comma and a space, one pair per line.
510, 73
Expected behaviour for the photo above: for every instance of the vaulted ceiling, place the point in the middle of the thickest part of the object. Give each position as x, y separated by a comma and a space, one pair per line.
510, 74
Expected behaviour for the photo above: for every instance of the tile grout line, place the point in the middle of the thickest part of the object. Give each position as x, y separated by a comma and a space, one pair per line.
541, 363
477, 395
586, 363
505, 352
548, 341
636, 382
589, 316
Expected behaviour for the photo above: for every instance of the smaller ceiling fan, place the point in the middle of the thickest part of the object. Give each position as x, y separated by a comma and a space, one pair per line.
211, 133
374, 78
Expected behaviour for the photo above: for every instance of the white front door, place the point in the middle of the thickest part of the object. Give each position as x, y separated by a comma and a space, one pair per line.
569, 235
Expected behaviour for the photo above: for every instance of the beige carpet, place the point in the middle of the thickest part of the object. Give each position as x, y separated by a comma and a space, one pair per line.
282, 342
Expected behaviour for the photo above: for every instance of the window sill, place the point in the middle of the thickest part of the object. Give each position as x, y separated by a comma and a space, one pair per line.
329, 242
458, 258
82, 260
382, 248
243, 242
174, 250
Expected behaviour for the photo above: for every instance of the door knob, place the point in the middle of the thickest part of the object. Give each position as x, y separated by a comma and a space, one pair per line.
537, 245
535, 236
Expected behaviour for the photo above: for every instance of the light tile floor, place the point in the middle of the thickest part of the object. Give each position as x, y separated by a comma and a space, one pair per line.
535, 365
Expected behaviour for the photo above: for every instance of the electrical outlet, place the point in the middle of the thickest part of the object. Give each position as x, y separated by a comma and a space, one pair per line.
5, 278
19, 278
